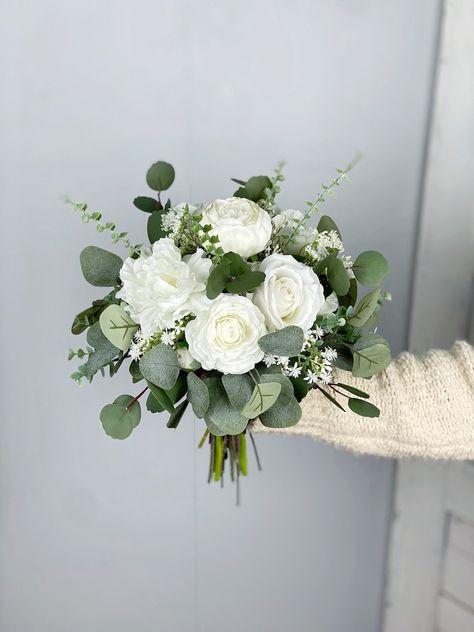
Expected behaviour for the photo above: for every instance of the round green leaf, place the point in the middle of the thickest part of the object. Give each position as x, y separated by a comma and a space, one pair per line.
117, 326
162, 397
146, 204
282, 416
285, 342
370, 268
327, 224
263, 397
134, 410
287, 390
365, 309
338, 277
117, 420
221, 418
217, 279
160, 366
363, 408
154, 227
100, 267
370, 360
246, 282
160, 176
238, 388
198, 395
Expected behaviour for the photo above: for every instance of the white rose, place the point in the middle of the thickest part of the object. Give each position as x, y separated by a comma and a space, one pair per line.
225, 336
242, 226
162, 287
285, 223
290, 295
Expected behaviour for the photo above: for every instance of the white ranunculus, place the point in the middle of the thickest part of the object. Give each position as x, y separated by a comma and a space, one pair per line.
162, 287
290, 295
241, 225
285, 223
225, 336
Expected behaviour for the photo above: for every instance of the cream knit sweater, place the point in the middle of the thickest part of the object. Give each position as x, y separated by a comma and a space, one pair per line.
427, 409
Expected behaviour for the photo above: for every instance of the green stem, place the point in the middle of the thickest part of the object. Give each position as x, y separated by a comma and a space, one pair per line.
242, 453
218, 457
203, 439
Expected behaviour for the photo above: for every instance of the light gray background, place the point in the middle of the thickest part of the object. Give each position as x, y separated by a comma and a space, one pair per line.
105, 536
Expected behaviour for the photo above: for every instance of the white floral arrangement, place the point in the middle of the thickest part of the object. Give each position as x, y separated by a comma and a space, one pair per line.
237, 308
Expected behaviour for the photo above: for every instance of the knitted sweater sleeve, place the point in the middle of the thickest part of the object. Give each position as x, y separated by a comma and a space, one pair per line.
427, 409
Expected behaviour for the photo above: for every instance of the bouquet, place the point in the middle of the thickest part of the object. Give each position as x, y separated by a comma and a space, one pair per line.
236, 308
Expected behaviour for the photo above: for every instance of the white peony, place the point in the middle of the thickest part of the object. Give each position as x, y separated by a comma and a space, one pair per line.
160, 288
241, 225
290, 295
285, 223
225, 336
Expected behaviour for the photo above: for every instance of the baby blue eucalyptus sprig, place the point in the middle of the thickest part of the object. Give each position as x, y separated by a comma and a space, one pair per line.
329, 190
102, 227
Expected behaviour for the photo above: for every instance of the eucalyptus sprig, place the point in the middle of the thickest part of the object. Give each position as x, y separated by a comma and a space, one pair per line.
329, 190
101, 227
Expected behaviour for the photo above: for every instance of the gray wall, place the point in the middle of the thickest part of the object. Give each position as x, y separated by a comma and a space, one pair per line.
100, 535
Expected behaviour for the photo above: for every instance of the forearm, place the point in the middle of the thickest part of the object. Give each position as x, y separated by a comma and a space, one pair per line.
427, 409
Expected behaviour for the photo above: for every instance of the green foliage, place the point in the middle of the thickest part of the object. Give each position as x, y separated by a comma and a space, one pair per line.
282, 416
364, 309
238, 265
117, 326
154, 227
221, 418
153, 405
177, 415
327, 224
349, 299
337, 276
246, 282
287, 390
134, 370
118, 419
300, 388
353, 390
100, 267
365, 409
332, 399
254, 188
161, 397
146, 204
198, 395
104, 352
371, 355
285, 342
101, 227
217, 279
160, 366
238, 388
264, 395
233, 274
160, 176
370, 268
91, 315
